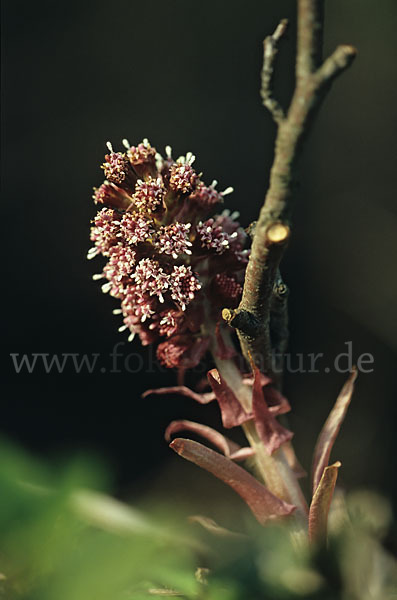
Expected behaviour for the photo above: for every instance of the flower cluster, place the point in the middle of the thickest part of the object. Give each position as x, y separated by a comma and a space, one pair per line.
169, 262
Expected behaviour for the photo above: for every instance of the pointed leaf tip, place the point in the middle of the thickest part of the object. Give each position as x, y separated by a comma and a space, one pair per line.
330, 430
263, 504
177, 445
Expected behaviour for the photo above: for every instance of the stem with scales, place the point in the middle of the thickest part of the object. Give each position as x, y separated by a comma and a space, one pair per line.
271, 232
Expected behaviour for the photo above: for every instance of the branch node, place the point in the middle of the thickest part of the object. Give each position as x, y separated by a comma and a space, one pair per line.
277, 233
242, 320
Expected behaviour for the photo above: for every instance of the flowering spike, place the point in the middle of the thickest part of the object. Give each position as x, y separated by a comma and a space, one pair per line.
156, 265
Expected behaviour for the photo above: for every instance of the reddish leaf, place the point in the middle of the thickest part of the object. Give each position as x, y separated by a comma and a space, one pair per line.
249, 379
319, 508
277, 403
217, 439
272, 434
263, 504
232, 412
205, 398
331, 429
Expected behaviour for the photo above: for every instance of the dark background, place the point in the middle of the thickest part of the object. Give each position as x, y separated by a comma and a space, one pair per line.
76, 74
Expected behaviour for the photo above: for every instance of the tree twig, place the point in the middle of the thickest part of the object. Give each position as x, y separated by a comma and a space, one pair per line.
270, 50
252, 317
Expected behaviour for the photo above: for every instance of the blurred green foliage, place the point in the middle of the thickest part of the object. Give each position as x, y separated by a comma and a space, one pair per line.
62, 541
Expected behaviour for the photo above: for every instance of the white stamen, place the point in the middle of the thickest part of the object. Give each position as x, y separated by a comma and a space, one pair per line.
122, 328
227, 191
234, 235
92, 252
109, 146
168, 151
117, 311
190, 158
145, 142
131, 336
214, 184
235, 215
126, 143
97, 276
106, 287
225, 243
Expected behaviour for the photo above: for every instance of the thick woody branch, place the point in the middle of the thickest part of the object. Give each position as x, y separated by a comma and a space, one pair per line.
312, 83
251, 318
270, 50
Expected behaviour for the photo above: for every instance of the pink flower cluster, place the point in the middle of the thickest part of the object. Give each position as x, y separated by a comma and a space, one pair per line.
170, 264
